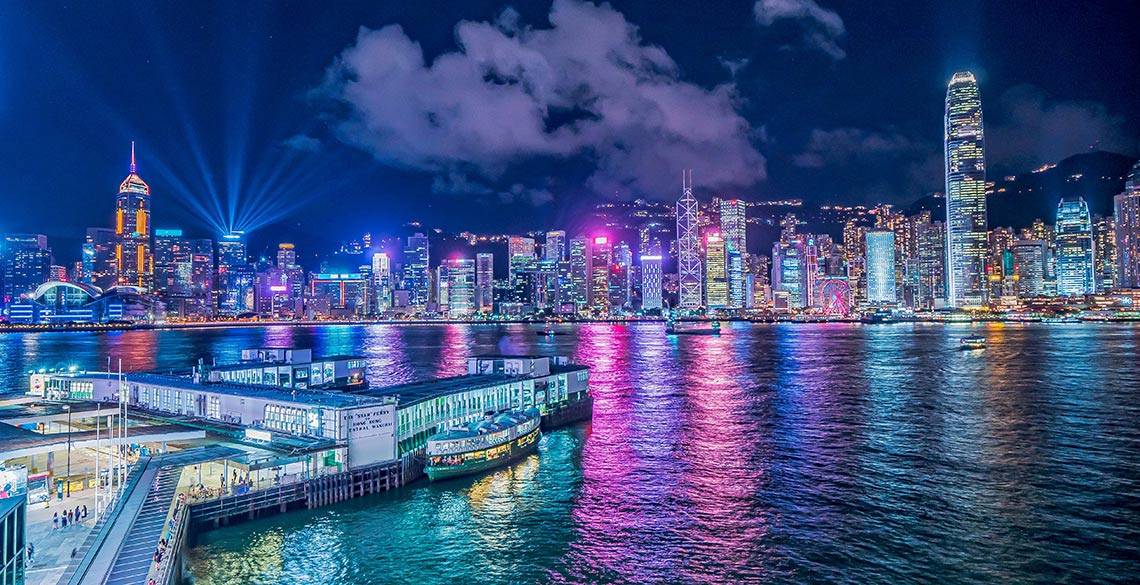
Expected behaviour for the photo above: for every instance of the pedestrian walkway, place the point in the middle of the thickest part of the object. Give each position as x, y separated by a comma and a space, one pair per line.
54, 546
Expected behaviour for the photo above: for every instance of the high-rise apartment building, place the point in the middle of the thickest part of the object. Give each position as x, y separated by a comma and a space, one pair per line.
966, 221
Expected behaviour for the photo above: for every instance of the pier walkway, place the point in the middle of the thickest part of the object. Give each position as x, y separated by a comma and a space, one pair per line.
120, 548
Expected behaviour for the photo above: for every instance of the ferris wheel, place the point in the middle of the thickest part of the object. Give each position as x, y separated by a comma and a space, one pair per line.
835, 297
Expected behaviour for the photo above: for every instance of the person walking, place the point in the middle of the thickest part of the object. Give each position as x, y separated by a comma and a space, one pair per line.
84, 511
55, 521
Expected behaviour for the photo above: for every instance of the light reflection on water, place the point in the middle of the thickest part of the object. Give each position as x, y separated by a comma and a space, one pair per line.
773, 453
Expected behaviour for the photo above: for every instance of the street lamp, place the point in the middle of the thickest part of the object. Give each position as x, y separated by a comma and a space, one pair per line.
68, 488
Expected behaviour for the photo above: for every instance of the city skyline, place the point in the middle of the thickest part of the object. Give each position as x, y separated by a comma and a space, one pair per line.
202, 179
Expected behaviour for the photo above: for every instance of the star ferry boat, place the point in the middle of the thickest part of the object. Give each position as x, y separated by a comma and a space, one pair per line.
476, 447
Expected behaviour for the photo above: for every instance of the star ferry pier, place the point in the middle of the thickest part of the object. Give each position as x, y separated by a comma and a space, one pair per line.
280, 429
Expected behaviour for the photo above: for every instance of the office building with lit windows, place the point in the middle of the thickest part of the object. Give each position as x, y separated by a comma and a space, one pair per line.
600, 260
134, 262
966, 221
881, 267
651, 283
716, 272
1127, 229
1075, 264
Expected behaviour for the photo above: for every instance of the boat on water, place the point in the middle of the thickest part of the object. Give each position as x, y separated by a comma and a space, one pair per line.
495, 441
548, 332
969, 343
671, 328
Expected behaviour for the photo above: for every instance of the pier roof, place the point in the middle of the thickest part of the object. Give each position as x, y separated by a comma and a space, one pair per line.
415, 392
311, 397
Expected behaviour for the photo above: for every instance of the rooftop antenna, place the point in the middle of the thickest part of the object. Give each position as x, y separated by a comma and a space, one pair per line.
133, 167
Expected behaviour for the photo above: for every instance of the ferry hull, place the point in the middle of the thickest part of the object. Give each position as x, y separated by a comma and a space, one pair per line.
515, 453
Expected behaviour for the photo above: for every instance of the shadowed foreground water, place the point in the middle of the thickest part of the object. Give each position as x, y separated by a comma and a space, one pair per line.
772, 454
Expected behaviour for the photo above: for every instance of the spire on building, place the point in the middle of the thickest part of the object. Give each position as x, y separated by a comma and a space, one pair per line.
134, 169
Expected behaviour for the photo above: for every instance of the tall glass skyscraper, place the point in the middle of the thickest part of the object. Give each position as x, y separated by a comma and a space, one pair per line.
688, 247
132, 227
733, 226
416, 263
1076, 267
716, 272
965, 193
484, 282
881, 267
651, 282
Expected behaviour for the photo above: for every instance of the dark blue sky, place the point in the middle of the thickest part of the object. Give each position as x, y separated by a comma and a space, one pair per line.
277, 113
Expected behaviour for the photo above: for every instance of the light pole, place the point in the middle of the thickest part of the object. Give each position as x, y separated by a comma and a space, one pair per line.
68, 407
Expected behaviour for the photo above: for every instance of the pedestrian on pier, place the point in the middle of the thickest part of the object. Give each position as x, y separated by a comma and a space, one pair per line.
55, 521
84, 511
76, 516
63, 522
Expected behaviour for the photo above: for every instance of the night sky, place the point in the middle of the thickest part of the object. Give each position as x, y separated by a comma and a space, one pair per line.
329, 119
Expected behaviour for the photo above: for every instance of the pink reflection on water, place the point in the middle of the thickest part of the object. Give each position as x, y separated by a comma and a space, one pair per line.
455, 347
725, 468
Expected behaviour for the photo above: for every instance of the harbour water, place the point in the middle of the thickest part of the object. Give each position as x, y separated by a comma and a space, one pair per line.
771, 454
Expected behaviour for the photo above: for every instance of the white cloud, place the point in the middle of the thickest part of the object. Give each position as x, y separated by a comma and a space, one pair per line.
586, 88
822, 28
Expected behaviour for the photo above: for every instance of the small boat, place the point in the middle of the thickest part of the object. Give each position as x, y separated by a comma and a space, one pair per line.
548, 332
671, 328
480, 446
969, 343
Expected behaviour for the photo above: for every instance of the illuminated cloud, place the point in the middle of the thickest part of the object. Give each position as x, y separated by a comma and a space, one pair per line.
303, 143
585, 89
820, 28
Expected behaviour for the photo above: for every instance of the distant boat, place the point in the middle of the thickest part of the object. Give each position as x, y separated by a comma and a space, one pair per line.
483, 445
671, 328
548, 332
971, 343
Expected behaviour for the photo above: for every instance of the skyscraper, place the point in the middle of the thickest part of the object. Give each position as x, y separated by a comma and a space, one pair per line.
26, 261
735, 271
716, 272
579, 272
484, 282
601, 257
688, 247
881, 267
381, 282
100, 266
460, 286
134, 262
1127, 206
966, 222
555, 248
416, 262
1104, 251
651, 282
172, 264
1076, 267
931, 265
733, 226
1029, 263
